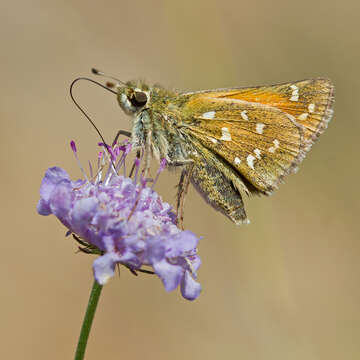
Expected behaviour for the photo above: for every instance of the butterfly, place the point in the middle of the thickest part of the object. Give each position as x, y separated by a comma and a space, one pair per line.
228, 142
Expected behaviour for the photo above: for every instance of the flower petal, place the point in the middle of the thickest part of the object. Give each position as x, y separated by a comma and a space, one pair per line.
60, 200
82, 213
169, 274
52, 177
104, 268
181, 243
43, 208
190, 289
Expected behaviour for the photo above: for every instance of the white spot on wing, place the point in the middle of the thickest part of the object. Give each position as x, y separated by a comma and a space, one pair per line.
257, 153
243, 115
260, 128
225, 134
295, 93
303, 116
311, 108
208, 115
276, 146
250, 161
237, 161
214, 141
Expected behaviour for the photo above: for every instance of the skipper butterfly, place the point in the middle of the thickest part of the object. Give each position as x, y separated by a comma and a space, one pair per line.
228, 142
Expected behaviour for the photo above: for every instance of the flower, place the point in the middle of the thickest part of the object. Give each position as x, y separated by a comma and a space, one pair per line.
123, 219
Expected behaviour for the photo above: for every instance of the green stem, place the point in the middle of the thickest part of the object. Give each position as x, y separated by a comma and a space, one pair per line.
88, 319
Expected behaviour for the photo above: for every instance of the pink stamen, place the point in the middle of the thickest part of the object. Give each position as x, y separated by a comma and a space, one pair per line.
161, 168
73, 148
163, 164
91, 170
137, 165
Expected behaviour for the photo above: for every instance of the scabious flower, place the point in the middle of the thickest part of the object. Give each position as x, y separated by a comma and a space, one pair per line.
123, 219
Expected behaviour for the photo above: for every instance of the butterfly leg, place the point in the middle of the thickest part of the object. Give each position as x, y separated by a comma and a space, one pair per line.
121, 132
182, 191
146, 168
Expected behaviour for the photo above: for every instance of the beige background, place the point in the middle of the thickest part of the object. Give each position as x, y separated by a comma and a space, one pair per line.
285, 287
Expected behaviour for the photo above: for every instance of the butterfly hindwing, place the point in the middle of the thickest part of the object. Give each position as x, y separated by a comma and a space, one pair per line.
219, 184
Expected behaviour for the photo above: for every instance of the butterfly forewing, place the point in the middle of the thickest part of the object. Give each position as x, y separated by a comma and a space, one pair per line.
263, 146
309, 101
263, 132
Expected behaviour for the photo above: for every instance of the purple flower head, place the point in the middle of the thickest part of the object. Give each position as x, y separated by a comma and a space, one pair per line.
122, 219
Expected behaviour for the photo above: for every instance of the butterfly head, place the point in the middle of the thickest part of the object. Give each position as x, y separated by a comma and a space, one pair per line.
133, 97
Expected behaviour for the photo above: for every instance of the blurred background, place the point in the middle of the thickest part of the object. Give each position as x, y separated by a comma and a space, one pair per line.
284, 287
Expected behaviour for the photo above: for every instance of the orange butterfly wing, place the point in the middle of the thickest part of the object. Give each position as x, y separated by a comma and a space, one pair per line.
263, 132
309, 101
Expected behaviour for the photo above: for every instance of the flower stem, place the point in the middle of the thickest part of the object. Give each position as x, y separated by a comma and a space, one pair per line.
88, 319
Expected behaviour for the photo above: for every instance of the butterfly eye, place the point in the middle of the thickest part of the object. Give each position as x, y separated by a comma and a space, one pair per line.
138, 99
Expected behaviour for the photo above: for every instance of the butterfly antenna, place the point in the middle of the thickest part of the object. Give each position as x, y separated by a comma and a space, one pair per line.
86, 115
100, 73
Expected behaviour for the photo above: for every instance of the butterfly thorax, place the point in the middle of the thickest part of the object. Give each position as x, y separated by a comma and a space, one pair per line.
157, 118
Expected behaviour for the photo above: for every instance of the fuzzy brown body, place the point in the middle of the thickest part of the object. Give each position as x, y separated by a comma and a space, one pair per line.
229, 141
